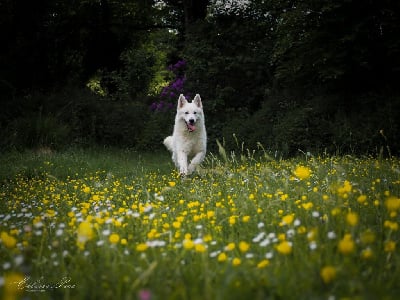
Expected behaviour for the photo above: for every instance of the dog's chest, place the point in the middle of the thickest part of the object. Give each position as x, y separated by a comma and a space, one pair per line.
192, 142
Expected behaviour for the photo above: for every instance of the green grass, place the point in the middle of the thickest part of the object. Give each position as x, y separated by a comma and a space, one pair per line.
77, 162
114, 224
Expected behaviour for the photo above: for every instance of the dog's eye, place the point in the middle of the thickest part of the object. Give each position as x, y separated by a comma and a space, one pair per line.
195, 112
186, 112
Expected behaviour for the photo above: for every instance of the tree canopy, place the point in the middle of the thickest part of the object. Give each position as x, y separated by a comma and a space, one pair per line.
309, 75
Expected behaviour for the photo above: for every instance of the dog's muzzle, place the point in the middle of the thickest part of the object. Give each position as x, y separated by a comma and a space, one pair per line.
190, 125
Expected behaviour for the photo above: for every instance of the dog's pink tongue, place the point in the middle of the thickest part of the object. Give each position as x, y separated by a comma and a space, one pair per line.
191, 127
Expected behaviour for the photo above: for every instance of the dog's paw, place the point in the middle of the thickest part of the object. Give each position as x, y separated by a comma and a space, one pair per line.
183, 172
191, 169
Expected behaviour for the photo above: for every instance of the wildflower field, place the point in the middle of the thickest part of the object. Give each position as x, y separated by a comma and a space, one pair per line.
122, 225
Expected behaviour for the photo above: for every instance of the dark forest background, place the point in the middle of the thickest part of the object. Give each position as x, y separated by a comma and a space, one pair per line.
320, 76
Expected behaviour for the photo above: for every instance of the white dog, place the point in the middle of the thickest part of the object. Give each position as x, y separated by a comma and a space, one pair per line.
189, 138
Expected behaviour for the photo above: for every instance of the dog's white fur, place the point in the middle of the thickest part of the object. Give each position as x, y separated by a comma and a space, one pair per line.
189, 137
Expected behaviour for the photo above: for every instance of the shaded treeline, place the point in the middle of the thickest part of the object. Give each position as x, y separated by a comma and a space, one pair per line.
291, 75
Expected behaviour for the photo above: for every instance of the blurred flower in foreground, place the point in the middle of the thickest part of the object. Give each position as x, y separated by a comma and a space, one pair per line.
144, 295
284, 247
85, 233
346, 245
8, 240
392, 204
302, 172
13, 285
328, 274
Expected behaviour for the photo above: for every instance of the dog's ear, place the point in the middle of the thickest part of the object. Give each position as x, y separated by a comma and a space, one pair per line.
197, 101
181, 101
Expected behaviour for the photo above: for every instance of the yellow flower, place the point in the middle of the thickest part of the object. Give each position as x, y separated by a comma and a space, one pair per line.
222, 257
86, 189
287, 220
236, 261
392, 204
391, 225
114, 238
13, 285
230, 247
328, 274
95, 197
308, 205
245, 219
207, 238
176, 224
284, 197
367, 253
200, 248
390, 246
232, 220
352, 219
210, 214
335, 211
284, 247
188, 244
302, 172
50, 213
361, 199
346, 245
8, 240
302, 229
263, 264
346, 188
85, 233
124, 242
141, 247
243, 246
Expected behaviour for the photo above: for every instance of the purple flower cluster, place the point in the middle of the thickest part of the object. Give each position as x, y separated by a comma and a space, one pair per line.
173, 89
170, 93
178, 67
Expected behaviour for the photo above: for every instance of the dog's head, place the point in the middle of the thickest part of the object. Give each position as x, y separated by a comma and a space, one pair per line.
190, 112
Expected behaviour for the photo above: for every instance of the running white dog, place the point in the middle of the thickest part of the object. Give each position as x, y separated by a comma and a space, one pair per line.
189, 138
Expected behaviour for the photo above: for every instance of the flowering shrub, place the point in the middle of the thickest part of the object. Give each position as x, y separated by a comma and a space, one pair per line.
170, 93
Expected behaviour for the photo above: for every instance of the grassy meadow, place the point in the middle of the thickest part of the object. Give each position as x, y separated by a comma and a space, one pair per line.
116, 224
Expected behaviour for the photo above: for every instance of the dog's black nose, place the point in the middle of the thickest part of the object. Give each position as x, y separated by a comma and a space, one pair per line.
191, 121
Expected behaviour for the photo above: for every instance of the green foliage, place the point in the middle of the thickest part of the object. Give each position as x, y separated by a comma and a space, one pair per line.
36, 131
76, 117
156, 128
226, 60
287, 74
119, 124
134, 79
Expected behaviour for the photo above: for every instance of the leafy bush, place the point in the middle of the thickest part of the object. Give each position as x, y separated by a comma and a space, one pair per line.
157, 127
36, 130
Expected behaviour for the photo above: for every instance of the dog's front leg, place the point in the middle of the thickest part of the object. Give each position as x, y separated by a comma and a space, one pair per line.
182, 162
197, 159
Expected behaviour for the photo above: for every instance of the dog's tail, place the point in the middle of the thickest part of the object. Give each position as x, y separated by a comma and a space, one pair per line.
168, 143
